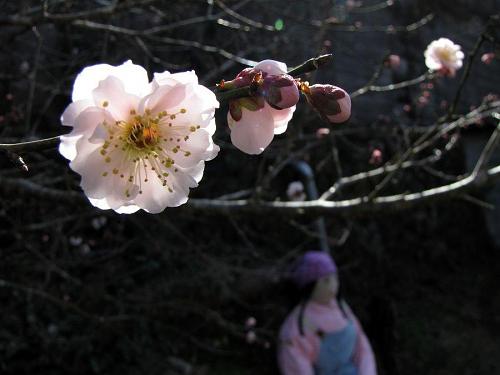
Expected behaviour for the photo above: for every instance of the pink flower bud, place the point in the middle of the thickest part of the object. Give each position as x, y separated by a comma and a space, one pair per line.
280, 91
244, 78
332, 103
393, 61
250, 322
251, 337
376, 157
322, 132
487, 58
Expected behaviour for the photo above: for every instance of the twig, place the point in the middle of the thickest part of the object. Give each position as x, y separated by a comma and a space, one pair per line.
468, 67
482, 163
393, 86
248, 21
348, 207
41, 144
310, 65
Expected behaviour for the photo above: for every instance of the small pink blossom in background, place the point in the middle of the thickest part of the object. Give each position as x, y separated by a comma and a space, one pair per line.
138, 144
254, 130
407, 108
443, 104
423, 100
490, 98
332, 103
251, 337
295, 191
487, 58
350, 4
444, 56
376, 157
250, 322
322, 132
393, 61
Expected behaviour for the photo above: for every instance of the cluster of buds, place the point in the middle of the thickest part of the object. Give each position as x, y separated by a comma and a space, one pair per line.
273, 96
280, 91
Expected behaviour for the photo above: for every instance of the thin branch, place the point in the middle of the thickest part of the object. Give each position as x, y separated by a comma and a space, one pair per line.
392, 86
311, 65
348, 207
468, 66
482, 164
41, 144
248, 21
167, 40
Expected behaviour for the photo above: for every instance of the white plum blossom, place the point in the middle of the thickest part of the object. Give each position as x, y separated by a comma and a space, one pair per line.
295, 191
255, 129
138, 144
444, 56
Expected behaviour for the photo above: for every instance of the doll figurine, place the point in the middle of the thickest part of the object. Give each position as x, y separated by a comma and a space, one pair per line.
321, 336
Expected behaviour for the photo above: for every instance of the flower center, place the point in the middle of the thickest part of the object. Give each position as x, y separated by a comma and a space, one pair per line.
142, 133
143, 146
446, 55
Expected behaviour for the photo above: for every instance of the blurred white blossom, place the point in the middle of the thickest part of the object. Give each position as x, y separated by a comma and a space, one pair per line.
444, 56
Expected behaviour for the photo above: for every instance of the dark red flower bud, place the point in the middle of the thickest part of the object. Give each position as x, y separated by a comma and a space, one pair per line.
280, 91
331, 102
244, 78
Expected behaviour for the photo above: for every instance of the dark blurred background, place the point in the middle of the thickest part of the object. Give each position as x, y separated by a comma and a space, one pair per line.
84, 291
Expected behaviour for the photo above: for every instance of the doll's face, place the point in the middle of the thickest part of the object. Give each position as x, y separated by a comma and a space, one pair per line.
326, 288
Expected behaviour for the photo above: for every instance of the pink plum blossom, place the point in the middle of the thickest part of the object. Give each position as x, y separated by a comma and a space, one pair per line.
444, 56
322, 132
138, 144
393, 61
487, 58
253, 128
376, 157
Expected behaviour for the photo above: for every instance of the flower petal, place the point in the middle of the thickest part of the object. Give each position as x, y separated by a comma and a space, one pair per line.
84, 126
254, 132
110, 94
169, 79
134, 78
272, 67
73, 110
281, 118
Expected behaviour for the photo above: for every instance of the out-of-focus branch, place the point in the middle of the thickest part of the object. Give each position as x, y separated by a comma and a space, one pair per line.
349, 207
43, 16
167, 40
390, 29
482, 164
392, 86
239, 17
388, 168
468, 65
62, 304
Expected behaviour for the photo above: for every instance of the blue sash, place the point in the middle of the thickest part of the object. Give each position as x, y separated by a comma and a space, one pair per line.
336, 352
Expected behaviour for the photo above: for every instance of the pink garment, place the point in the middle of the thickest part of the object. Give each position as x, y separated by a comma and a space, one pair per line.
297, 353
